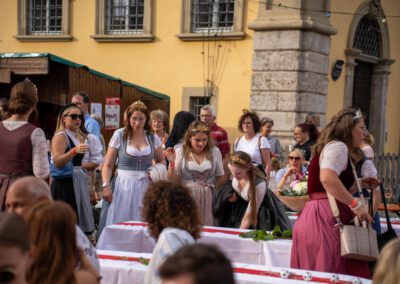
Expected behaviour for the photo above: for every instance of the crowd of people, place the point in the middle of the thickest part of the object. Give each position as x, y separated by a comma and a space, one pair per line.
177, 181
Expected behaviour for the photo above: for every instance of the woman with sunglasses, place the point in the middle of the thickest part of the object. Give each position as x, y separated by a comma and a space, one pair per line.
245, 201
23, 148
16, 252
133, 149
198, 164
71, 142
294, 169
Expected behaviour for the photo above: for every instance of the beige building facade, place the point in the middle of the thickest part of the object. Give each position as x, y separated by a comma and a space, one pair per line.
276, 57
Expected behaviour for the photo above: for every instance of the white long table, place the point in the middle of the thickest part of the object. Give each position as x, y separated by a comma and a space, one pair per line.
124, 267
134, 237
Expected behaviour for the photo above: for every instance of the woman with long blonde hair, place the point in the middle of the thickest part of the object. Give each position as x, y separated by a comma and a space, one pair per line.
198, 164
57, 258
71, 142
245, 201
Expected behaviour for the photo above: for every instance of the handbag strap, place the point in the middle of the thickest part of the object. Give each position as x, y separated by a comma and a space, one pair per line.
389, 224
332, 200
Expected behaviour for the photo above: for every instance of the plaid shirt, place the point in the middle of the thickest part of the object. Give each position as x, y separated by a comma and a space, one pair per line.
220, 138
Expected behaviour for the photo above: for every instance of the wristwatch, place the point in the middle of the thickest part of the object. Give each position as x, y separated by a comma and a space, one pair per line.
105, 184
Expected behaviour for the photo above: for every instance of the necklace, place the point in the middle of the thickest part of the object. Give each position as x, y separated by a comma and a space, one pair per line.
199, 158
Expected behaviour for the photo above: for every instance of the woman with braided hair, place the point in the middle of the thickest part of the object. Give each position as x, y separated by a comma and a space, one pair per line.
245, 201
330, 173
23, 148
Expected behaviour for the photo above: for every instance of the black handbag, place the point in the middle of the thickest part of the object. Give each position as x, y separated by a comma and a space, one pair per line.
390, 234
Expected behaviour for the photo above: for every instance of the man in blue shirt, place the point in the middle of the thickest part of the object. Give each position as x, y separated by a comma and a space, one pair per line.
82, 100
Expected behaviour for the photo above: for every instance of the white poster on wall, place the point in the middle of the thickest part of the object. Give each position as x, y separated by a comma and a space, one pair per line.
112, 110
95, 109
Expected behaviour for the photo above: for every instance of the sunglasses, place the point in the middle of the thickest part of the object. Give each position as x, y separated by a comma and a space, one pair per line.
7, 276
75, 116
294, 158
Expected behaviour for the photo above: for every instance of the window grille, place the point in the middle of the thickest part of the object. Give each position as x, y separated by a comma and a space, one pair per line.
196, 103
124, 16
212, 15
45, 17
367, 37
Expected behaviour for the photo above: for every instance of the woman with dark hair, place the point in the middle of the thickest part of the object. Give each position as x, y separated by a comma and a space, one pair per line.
133, 149
173, 221
71, 142
316, 239
306, 136
252, 142
159, 124
182, 120
16, 253
23, 148
57, 258
245, 201
198, 164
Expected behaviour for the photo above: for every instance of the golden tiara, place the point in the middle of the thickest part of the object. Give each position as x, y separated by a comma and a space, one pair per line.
238, 160
138, 103
200, 128
27, 81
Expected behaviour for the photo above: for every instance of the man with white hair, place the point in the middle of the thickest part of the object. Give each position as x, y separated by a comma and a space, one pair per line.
219, 135
27, 191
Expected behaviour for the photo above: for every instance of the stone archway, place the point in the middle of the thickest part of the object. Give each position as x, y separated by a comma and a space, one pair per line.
370, 10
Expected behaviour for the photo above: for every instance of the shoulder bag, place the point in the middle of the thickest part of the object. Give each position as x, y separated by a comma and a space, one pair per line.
358, 241
64, 172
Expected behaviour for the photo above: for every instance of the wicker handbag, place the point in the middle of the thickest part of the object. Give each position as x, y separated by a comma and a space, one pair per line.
356, 241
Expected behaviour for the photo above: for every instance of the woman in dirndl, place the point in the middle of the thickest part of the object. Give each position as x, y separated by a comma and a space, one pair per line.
330, 172
133, 150
71, 141
23, 149
198, 164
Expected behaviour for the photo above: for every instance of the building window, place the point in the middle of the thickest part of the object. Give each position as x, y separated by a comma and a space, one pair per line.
123, 20
196, 103
124, 16
43, 20
212, 19
212, 16
45, 17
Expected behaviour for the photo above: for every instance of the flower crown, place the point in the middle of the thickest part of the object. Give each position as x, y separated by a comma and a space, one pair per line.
200, 128
238, 160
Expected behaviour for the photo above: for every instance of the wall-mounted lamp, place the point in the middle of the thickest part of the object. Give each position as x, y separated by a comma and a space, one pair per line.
337, 69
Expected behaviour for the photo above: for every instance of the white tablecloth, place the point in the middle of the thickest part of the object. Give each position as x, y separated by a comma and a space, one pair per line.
124, 267
395, 224
134, 237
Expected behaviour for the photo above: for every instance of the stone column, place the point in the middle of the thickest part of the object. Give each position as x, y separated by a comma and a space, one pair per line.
290, 64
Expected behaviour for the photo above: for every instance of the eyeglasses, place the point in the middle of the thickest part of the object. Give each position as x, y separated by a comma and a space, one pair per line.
7, 276
75, 116
294, 158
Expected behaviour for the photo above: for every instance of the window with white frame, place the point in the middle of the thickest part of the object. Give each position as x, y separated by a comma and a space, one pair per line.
212, 15
124, 16
212, 19
45, 20
123, 20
